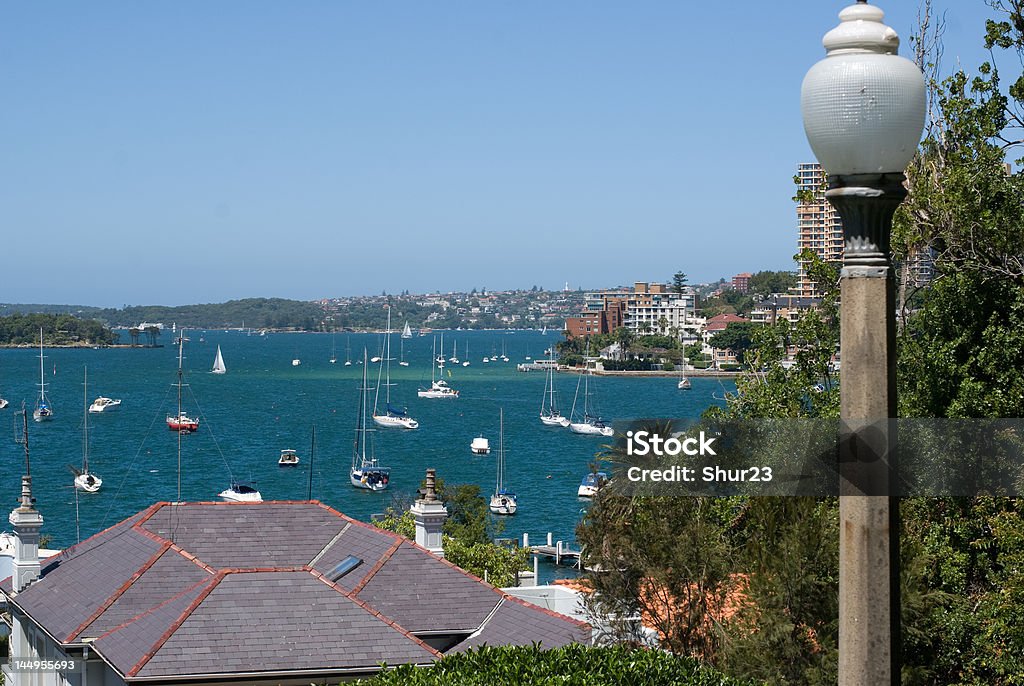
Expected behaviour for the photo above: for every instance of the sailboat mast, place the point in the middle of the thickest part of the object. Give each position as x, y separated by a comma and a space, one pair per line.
181, 347
387, 361
501, 448
312, 450
85, 424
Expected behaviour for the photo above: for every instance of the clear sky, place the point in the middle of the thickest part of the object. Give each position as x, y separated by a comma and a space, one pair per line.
191, 151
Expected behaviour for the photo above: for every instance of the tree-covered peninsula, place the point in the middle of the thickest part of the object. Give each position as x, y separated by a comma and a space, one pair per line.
58, 329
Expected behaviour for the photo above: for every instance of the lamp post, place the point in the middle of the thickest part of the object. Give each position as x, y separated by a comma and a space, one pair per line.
863, 108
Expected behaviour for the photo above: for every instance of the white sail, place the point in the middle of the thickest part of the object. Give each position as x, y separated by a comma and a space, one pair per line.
407, 332
218, 364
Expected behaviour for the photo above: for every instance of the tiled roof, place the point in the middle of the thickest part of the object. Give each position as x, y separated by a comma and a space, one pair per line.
451, 601
519, 623
230, 589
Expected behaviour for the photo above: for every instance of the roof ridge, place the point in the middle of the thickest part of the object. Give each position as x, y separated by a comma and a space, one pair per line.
376, 568
376, 613
176, 624
329, 545
119, 592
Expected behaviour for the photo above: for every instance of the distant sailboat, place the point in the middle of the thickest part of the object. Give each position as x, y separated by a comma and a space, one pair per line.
218, 364
334, 357
348, 351
503, 501
407, 332
439, 388
84, 479
181, 422
549, 414
591, 423
43, 411
366, 472
391, 417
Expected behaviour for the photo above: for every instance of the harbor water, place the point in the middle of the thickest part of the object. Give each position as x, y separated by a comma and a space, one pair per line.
265, 403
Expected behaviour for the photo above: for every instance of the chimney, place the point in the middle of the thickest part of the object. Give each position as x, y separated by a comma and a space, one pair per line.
26, 522
429, 514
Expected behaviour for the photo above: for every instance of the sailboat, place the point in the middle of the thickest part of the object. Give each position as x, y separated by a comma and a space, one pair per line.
334, 356
465, 363
43, 411
684, 383
503, 500
3, 403
439, 388
591, 424
181, 422
549, 415
348, 351
218, 364
406, 332
366, 472
454, 359
401, 352
391, 417
85, 480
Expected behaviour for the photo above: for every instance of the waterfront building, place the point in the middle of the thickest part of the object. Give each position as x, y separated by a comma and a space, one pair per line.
647, 308
819, 227
254, 593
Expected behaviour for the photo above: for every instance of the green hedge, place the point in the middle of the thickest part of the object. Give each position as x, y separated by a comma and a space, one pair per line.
572, 665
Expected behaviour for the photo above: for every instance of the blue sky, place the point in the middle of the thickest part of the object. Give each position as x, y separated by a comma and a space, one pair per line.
186, 151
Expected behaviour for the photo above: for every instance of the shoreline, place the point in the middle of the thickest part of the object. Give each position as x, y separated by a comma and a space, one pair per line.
708, 373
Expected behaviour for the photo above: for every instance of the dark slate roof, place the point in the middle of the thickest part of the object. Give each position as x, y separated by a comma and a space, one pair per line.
452, 600
276, 534
295, 622
78, 582
238, 589
519, 623
168, 576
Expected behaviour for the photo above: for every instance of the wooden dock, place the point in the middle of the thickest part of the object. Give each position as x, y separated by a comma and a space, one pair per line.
557, 550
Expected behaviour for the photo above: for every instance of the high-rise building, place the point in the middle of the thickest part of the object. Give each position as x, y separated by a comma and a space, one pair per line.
818, 225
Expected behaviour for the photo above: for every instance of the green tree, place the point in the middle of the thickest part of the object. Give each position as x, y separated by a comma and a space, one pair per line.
737, 337
679, 282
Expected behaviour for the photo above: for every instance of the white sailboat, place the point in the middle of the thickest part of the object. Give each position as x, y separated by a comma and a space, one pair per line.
84, 479
402, 362
549, 414
684, 383
407, 332
503, 500
590, 424
218, 364
334, 356
43, 411
348, 351
391, 417
465, 363
439, 388
366, 472
454, 359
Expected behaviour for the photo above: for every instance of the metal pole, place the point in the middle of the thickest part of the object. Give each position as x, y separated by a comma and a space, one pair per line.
869, 591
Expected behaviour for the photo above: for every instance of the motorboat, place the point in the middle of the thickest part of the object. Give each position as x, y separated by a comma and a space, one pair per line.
591, 484
240, 492
480, 446
104, 404
182, 422
289, 458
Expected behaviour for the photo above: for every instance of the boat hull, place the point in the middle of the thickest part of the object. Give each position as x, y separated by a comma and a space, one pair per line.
503, 505
587, 429
104, 405
236, 497
89, 483
437, 393
370, 480
556, 420
390, 422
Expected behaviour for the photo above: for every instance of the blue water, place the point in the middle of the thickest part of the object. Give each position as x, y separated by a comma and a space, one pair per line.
264, 404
